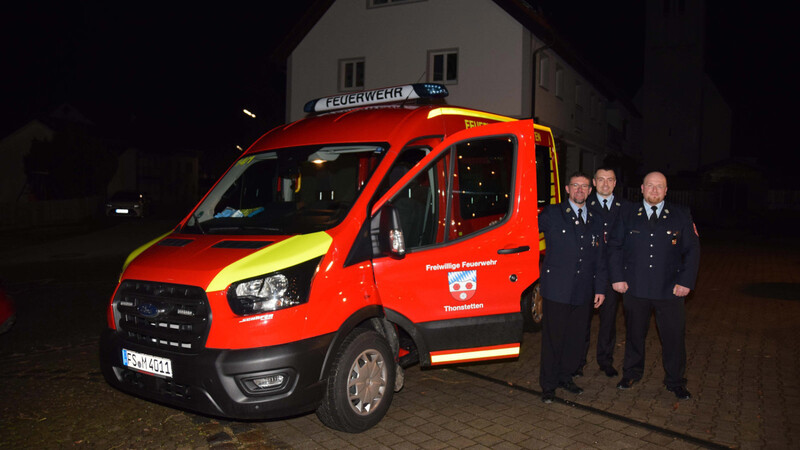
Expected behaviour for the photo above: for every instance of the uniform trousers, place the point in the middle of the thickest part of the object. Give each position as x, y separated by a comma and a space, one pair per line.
607, 332
671, 322
563, 335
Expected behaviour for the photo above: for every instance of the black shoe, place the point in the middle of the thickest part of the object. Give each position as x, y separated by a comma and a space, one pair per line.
609, 371
578, 373
680, 392
626, 383
570, 386
548, 396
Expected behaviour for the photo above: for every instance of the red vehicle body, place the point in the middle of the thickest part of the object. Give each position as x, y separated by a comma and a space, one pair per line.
7, 311
337, 250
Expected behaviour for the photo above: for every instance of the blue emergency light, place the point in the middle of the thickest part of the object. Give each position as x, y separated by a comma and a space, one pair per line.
377, 97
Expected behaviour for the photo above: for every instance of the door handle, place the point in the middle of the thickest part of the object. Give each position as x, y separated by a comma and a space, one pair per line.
508, 251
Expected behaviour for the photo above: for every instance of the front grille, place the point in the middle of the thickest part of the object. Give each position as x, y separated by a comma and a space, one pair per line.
162, 315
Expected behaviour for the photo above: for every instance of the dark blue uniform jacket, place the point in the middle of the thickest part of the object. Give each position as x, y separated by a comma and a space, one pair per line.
609, 218
574, 267
653, 259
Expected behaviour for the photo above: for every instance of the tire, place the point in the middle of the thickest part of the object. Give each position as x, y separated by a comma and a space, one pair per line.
361, 384
531, 308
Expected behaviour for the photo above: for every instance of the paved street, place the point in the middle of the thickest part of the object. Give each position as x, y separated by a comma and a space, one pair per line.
743, 371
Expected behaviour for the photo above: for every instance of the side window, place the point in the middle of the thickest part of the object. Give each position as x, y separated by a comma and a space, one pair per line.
544, 181
482, 185
407, 159
421, 205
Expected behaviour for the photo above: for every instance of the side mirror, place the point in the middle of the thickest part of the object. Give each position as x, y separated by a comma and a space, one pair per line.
387, 233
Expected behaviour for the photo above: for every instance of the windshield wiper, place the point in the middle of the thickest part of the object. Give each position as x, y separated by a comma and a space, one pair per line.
197, 222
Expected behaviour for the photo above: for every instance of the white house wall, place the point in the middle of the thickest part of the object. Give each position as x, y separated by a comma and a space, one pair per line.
561, 111
585, 139
496, 62
394, 42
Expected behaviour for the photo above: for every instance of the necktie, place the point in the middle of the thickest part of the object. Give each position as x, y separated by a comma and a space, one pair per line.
605, 204
580, 216
654, 215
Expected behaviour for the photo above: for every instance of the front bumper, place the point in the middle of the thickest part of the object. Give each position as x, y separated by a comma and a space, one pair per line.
215, 382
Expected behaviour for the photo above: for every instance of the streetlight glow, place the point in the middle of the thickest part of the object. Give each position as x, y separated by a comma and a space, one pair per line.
249, 113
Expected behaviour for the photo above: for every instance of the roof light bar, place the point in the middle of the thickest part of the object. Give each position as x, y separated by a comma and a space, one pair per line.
377, 97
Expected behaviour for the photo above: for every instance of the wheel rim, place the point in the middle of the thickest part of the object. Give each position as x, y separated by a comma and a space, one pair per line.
536, 305
367, 382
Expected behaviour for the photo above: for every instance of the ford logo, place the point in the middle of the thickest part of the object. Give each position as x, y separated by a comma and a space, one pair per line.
148, 310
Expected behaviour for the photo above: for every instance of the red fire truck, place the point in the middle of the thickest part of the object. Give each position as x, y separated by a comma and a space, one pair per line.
385, 229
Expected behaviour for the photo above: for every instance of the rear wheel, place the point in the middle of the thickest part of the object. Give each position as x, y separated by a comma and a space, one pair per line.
532, 309
361, 384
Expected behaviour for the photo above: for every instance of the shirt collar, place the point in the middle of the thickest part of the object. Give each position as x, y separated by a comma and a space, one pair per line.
649, 208
576, 207
610, 199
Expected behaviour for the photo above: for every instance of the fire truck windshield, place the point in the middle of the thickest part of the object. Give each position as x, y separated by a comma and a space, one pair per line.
288, 191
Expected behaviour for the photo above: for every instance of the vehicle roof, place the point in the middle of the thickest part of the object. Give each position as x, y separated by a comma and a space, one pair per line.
384, 123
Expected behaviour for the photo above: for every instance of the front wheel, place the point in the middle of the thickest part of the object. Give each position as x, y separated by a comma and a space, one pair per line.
361, 384
531, 309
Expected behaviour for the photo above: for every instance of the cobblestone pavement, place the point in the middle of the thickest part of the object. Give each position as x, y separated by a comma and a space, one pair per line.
742, 323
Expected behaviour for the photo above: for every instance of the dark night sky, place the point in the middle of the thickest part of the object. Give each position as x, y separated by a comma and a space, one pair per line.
180, 73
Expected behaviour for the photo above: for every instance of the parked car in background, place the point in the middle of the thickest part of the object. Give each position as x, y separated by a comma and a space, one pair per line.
7, 311
126, 203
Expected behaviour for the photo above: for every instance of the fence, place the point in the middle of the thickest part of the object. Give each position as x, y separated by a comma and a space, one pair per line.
16, 215
726, 208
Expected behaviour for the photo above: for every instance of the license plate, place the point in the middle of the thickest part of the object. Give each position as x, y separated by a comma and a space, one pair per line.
121, 211
147, 363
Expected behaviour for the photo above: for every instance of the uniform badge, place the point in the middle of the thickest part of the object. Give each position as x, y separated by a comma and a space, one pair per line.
463, 284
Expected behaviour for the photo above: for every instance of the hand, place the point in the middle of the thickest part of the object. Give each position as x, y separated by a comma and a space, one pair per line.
598, 300
680, 291
620, 286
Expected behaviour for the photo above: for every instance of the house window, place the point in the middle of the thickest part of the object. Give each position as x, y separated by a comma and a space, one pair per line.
559, 82
443, 66
377, 3
544, 71
351, 74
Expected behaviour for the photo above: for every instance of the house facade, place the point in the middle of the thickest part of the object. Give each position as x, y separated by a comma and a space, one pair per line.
29, 197
498, 56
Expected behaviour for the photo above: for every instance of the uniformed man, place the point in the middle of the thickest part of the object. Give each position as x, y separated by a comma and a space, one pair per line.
654, 257
573, 278
606, 207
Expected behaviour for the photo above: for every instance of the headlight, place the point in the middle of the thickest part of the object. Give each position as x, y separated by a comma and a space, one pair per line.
273, 291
